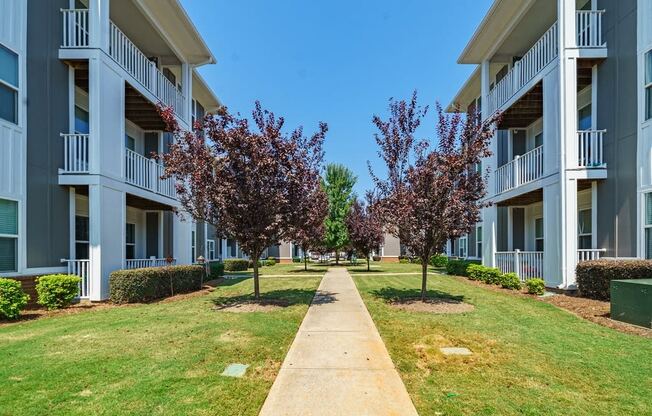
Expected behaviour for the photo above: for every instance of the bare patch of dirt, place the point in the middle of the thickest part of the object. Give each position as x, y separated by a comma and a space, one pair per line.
432, 305
247, 306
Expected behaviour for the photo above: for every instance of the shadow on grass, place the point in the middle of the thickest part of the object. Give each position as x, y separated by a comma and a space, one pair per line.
392, 295
282, 298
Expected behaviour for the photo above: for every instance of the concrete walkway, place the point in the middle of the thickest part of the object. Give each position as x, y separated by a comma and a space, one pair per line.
337, 364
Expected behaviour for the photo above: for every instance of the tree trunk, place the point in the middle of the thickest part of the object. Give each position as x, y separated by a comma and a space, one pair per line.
256, 282
337, 257
368, 264
305, 260
424, 278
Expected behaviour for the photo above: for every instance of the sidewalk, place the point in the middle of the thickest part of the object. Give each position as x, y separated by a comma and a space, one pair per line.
337, 364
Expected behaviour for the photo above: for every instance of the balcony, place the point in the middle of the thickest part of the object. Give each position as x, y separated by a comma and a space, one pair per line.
524, 71
520, 171
153, 262
526, 264
590, 149
127, 55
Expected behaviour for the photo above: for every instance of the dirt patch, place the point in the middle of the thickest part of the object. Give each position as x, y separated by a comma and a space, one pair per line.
432, 305
595, 311
247, 306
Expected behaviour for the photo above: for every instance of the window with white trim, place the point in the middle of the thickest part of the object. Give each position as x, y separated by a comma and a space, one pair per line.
585, 229
81, 237
210, 249
478, 241
538, 234
8, 235
462, 250
648, 225
131, 241
648, 85
8, 85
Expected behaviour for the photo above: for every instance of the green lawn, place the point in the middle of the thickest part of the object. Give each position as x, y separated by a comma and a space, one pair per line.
283, 269
530, 358
382, 267
157, 359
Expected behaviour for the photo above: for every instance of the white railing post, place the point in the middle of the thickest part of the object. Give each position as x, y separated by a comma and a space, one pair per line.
517, 263
516, 171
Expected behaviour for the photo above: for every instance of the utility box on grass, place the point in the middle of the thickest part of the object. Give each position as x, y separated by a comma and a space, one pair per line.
631, 301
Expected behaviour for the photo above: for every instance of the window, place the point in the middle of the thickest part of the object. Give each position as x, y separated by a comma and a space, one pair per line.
538, 234
8, 235
193, 245
131, 241
8, 85
584, 120
81, 121
210, 249
130, 143
538, 140
648, 226
478, 241
585, 229
648, 85
81, 237
463, 246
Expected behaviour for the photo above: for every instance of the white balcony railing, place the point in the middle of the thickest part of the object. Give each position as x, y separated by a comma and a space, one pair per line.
82, 269
589, 28
127, 55
142, 263
146, 173
526, 264
590, 153
544, 51
75, 153
590, 254
75, 28
523, 169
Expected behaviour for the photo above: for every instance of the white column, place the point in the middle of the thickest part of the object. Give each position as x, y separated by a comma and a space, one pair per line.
98, 16
489, 239
224, 248
186, 90
72, 211
181, 244
490, 214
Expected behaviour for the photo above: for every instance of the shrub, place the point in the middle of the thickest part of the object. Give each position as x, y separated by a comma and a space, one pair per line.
272, 259
12, 298
296, 259
475, 271
510, 281
535, 286
143, 285
236, 265
250, 264
594, 277
439, 260
56, 291
403, 260
459, 267
269, 262
484, 274
216, 269
415, 260
375, 258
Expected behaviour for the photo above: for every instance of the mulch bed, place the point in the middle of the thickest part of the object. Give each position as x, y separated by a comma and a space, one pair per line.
247, 306
432, 305
592, 310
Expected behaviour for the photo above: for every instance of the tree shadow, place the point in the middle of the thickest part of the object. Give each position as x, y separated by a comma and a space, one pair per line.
392, 295
282, 298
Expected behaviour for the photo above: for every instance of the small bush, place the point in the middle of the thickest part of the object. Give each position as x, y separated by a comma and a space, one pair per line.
296, 259
510, 281
144, 285
439, 260
404, 261
216, 269
375, 258
415, 260
484, 274
250, 264
236, 265
274, 259
594, 277
459, 267
56, 291
270, 262
475, 271
535, 286
12, 298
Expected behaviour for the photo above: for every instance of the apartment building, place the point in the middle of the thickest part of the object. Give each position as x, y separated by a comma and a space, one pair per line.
570, 177
79, 189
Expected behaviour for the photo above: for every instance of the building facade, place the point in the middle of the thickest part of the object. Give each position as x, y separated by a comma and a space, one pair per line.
79, 82
570, 174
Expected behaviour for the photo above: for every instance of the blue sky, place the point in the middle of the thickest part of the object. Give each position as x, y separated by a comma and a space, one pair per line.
336, 61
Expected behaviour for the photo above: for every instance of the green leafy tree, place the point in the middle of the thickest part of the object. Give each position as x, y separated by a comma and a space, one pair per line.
338, 183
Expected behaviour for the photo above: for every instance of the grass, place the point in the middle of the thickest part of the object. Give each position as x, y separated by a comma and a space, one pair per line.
530, 358
283, 269
155, 359
382, 267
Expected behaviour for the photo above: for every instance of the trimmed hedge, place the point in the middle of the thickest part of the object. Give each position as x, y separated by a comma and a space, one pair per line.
56, 291
296, 259
484, 274
12, 298
216, 269
144, 285
459, 267
535, 286
403, 261
510, 281
250, 264
375, 258
269, 262
438, 260
594, 277
236, 265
